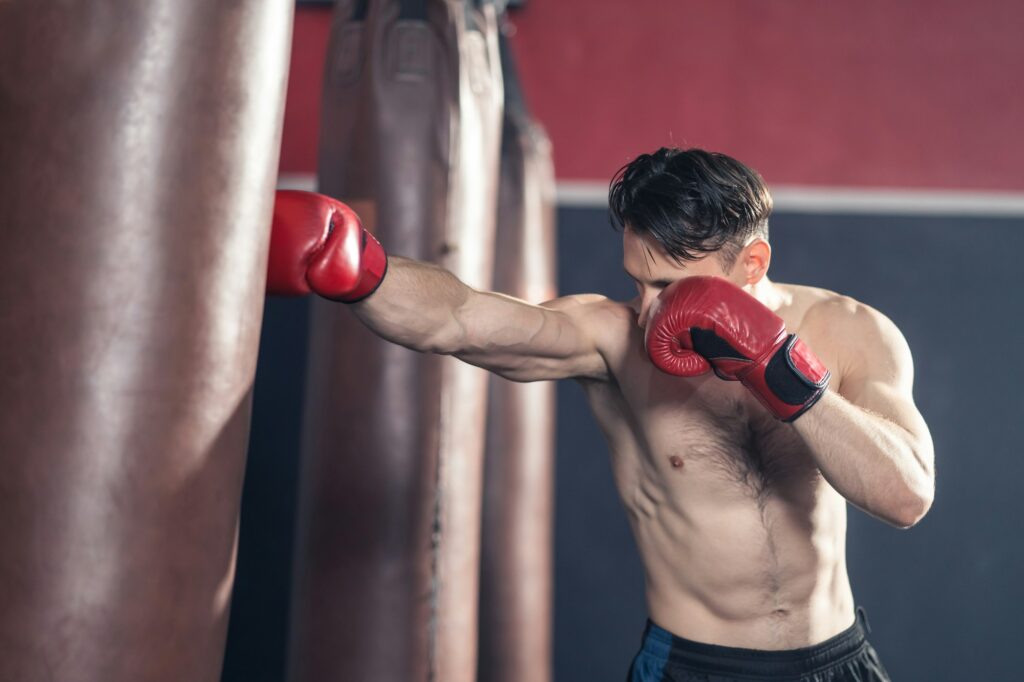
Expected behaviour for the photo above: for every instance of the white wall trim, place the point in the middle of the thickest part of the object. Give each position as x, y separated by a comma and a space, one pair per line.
806, 199
939, 202
303, 181
582, 193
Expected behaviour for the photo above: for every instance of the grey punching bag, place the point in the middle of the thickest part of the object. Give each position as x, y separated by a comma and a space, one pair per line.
387, 549
517, 565
137, 168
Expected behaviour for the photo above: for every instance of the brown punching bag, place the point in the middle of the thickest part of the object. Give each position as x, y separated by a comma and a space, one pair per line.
517, 565
137, 168
387, 551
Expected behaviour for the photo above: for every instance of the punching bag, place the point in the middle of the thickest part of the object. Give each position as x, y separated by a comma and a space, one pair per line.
137, 171
387, 549
517, 565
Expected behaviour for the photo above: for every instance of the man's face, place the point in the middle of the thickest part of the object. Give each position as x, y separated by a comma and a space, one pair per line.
651, 269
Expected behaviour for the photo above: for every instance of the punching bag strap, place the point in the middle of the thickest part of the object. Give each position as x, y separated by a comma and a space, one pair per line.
515, 101
470, 9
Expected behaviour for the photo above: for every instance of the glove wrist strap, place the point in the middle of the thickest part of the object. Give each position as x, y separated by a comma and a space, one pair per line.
373, 265
790, 382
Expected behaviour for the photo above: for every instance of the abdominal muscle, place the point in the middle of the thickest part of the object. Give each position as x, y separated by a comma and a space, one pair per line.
732, 574
742, 549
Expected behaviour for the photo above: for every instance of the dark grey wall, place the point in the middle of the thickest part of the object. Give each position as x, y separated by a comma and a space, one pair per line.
257, 635
943, 598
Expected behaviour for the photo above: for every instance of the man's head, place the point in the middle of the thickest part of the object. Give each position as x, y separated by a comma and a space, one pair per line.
690, 212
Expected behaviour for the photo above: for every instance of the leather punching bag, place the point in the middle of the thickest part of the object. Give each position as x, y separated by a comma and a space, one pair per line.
387, 552
137, 170
517, 566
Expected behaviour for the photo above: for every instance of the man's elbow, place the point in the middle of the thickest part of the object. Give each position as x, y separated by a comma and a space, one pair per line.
912, 510
918, 492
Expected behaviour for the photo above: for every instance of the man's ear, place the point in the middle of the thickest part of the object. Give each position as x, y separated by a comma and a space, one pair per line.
754, 260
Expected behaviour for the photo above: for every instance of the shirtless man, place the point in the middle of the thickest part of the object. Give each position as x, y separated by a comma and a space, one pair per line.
736, 491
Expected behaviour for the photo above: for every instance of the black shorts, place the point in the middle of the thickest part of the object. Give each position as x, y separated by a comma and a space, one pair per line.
663, 657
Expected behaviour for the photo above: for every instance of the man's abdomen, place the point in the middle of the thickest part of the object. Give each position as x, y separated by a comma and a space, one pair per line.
760, 574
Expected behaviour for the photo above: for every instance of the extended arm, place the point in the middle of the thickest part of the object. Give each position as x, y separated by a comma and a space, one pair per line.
426, 308
318, 244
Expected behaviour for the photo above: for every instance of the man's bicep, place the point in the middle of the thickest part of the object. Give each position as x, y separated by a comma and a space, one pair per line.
526, 342
878, 374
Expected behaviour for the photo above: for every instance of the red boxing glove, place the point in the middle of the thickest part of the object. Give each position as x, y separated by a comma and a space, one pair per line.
704, 323
318, 244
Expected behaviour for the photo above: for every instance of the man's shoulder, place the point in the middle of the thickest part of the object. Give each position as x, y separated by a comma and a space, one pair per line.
593, 308
849, 331
611, 325
823, 309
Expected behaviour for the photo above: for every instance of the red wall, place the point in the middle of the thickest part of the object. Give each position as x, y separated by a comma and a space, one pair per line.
875, 93
302, 110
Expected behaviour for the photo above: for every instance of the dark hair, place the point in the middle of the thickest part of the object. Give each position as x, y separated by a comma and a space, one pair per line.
692, 202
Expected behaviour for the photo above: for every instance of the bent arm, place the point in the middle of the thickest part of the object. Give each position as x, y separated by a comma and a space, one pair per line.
870, 442
428, 309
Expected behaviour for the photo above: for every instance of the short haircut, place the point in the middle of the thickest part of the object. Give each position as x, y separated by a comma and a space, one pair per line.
692, 202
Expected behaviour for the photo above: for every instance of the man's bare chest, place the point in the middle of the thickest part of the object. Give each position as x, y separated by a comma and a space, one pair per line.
701, 431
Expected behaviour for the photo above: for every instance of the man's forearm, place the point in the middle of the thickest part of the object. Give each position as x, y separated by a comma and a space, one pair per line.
416, 306
872, 462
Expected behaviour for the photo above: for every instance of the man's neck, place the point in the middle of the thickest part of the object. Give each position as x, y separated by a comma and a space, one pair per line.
769, 293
